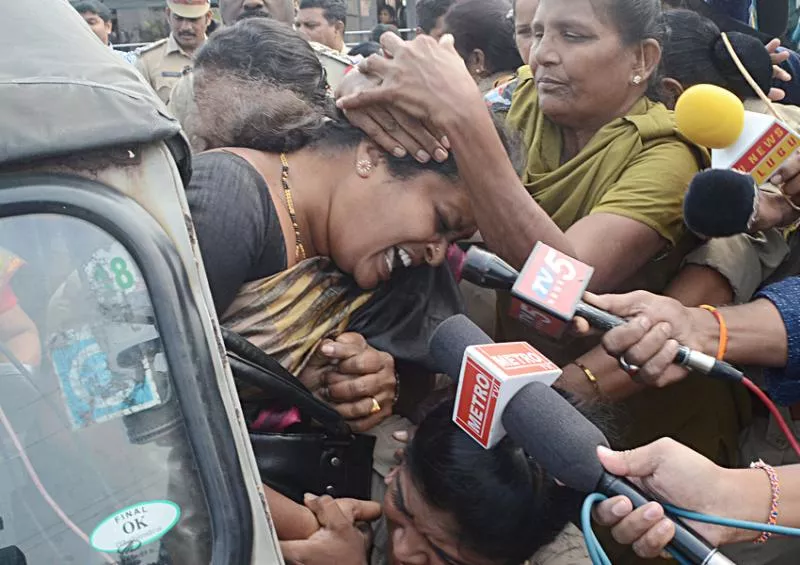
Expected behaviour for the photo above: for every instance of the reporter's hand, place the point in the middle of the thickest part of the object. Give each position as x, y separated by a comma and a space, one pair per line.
676, 474
337, 542
777, 57
359, 374
787, 179
651, 336
773, 212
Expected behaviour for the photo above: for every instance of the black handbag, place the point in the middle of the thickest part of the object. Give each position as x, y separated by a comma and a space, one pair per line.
321, 455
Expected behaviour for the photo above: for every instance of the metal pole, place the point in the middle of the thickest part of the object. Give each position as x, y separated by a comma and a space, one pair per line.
411, 14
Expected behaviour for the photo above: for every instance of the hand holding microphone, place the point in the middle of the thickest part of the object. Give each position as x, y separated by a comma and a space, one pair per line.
548, 294
517, 401
651, 337
680, 476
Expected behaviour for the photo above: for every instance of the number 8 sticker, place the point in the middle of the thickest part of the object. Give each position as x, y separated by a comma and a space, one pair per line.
122, 276
111, 271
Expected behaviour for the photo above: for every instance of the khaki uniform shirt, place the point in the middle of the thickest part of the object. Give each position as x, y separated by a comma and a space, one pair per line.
163, 63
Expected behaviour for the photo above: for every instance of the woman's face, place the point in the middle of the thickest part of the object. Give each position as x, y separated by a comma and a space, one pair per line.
420, 534
524, 10
584, 73
379, 224
385, 17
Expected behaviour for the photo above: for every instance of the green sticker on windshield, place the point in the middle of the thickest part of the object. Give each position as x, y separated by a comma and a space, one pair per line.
137, 525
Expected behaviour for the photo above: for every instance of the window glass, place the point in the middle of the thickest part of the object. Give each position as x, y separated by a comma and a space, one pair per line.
95, 465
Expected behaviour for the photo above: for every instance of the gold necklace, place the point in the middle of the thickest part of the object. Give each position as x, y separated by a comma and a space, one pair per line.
300, 251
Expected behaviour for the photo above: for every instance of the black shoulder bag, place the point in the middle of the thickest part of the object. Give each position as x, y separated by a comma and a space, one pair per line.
321, 455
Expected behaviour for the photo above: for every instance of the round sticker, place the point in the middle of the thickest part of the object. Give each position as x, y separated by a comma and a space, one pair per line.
135, 526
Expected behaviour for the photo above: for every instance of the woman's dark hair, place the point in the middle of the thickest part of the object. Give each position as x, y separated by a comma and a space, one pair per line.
484, 25
258, 75
380, 29
504, 505
695, 53
92, 7
259, 84
636, 20
262, 49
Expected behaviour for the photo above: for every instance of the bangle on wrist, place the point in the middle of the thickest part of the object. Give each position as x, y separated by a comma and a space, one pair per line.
590, 376
705, 332
723, 331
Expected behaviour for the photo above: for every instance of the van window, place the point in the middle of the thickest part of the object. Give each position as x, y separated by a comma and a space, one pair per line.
95, 464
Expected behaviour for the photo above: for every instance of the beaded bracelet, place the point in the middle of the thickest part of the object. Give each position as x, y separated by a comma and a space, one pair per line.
723, 331
775, 487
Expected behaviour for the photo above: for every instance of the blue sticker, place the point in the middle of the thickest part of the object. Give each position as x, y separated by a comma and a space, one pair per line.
92, 391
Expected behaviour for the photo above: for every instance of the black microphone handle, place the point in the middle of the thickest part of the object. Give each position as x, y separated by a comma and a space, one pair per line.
689, 543
686, 357
597, 318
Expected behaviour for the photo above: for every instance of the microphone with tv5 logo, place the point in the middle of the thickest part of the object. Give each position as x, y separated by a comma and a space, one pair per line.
547, 294
541, 421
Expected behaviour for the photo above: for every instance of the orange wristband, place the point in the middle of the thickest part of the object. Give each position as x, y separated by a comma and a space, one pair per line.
723, 331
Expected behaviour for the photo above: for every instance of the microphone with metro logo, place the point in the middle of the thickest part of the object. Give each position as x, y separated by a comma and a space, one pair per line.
490, 376
505, 389
548, 294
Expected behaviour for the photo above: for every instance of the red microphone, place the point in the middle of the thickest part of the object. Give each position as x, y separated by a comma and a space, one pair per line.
555, 282
548, 292
490, 376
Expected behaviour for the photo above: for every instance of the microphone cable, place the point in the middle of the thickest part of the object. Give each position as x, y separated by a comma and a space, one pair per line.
779, 419
598, 555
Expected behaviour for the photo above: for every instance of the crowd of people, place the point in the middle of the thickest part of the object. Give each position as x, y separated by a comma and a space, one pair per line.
334, 190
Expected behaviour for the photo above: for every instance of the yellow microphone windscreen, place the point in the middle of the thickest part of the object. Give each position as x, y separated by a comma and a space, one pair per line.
710, 116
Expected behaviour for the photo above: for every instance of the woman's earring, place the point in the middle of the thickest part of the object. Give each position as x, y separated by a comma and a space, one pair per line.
637, 80
364, 167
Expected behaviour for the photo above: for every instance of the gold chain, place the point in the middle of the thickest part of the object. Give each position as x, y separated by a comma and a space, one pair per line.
300, 251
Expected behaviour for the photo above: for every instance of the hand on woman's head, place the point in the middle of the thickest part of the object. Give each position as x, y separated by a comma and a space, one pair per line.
426, 79
391, 128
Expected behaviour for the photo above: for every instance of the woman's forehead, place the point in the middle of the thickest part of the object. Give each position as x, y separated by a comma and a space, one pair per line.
576, 11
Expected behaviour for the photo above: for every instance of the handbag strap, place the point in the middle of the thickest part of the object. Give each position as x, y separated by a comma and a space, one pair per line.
251, 365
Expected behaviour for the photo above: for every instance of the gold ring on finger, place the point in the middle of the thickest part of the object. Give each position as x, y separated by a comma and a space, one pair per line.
376, 407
